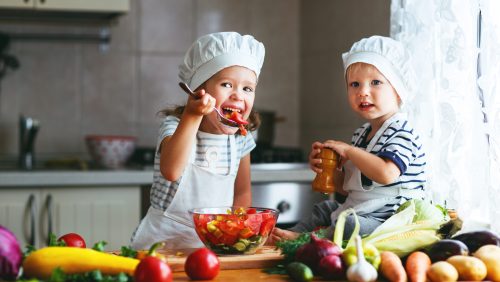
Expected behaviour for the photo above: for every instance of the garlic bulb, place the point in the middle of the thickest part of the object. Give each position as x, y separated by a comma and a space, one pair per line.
361, 271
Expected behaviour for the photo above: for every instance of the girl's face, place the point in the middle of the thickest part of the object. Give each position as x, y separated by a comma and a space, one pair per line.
370, 94
234, 90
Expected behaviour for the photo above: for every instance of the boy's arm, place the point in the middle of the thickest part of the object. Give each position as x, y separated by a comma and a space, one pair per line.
372, 166
242, 184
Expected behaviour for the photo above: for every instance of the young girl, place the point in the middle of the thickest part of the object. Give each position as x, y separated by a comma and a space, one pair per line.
385, 164
201, 162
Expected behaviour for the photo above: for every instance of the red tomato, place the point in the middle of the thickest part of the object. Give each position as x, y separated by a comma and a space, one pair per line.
212, 239
73, 240
246, 233
243, 130
202, 264
231, 227
228, 240
236, 117
267, 226
253, 222
251, 211
152, 269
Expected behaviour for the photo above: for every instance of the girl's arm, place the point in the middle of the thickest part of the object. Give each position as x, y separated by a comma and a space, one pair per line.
176, 149
242, 184
375, 168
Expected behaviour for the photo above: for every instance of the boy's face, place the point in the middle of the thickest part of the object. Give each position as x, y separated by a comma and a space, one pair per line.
234, 90
370, 94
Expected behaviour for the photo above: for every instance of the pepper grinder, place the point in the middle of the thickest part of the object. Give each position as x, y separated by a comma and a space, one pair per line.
323, 182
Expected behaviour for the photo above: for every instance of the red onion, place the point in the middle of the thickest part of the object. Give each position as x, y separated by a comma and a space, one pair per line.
312, 252
10, 254
332, 267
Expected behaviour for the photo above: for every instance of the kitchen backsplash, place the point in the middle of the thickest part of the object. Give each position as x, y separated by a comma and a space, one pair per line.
75, 88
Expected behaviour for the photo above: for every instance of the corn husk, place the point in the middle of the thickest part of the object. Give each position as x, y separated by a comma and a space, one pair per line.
398, 234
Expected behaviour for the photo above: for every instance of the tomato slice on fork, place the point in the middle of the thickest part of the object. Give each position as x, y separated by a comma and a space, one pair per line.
236, 117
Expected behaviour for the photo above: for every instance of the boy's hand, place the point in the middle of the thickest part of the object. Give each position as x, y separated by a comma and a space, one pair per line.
314, 159
281, 234
202, 105
341, 148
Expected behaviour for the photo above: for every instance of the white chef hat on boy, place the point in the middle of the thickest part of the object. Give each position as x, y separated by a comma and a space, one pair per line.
390, 57
211, 53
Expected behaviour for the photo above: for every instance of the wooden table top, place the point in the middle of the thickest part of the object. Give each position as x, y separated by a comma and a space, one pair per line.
250, 275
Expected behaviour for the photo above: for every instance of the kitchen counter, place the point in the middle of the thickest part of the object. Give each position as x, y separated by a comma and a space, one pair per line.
51, 178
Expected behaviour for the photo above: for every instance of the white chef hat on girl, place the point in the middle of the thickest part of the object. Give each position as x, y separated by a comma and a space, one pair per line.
390, 57
211, 53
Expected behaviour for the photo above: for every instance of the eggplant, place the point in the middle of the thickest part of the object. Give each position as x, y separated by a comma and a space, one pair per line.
476, 239
446, 248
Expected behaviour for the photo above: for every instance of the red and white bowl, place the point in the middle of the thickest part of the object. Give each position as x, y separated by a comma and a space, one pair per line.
110, 151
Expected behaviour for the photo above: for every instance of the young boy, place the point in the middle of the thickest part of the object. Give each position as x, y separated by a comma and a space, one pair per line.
384, 165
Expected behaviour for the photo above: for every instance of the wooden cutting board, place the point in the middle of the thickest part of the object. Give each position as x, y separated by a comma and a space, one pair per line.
266, 256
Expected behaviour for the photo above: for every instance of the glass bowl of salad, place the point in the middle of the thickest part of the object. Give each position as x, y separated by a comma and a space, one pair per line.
234, 230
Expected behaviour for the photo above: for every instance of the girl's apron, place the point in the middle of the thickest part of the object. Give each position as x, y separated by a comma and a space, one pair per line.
198, 188
366, 201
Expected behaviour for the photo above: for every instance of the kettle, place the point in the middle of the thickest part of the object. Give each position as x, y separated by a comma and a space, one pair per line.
28, 129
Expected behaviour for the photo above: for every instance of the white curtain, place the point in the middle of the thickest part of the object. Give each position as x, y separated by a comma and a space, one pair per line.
457, 108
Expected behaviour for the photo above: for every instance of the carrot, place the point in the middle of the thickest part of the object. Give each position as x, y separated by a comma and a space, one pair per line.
417, 265
392, 268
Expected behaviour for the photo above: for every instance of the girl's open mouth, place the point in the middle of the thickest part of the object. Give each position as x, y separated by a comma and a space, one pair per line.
228, 111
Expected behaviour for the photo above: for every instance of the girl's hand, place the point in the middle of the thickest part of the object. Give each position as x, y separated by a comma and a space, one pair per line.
200, 106
341, 148
314, 159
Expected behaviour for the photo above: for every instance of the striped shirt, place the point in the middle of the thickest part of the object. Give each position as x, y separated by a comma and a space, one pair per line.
213, 152
400, 144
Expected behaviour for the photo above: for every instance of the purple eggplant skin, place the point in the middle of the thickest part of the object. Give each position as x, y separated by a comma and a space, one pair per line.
476, 239
442, 250
10, 255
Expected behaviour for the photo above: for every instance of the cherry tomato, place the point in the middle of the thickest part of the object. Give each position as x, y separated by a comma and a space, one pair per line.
152, 269
202, 264
73, 240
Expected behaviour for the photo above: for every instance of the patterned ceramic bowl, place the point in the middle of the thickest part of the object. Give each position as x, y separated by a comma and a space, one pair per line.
234, 230
110, 151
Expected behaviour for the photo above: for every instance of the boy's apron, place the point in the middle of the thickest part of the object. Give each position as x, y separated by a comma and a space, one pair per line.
365, 201
198, 188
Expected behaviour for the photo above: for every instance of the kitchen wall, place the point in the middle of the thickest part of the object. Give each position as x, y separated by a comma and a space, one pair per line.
76, 89
329, 28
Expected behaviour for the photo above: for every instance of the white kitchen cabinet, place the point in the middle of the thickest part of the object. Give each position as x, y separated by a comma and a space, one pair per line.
68, 5
97, 213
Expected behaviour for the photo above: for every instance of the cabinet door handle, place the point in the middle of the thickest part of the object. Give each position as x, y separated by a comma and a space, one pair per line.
48, 206
32, 210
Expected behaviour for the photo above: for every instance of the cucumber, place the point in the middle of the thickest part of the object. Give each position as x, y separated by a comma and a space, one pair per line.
299, 272
240, 246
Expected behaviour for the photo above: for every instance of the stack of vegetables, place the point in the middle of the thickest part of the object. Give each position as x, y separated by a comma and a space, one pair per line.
416, 244
68, 259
